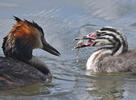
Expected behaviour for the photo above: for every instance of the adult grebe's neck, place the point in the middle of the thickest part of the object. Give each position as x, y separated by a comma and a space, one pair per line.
38, 64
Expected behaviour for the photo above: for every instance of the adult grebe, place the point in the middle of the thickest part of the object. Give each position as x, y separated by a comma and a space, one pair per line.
20, 67
113, 56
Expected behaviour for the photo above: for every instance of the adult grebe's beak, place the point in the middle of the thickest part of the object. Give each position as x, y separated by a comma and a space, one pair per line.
47, 47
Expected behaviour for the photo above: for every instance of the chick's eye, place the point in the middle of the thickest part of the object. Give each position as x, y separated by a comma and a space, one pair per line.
98, 34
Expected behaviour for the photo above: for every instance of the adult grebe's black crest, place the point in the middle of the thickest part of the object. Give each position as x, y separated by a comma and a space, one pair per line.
20, 67
113, 56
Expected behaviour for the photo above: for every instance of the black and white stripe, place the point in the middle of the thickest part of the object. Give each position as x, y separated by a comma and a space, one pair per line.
117, 39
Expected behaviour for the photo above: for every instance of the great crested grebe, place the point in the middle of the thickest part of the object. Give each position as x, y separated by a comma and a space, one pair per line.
20, 67
113, 56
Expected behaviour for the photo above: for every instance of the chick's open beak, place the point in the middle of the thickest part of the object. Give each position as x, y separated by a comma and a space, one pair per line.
81, 44
47, 47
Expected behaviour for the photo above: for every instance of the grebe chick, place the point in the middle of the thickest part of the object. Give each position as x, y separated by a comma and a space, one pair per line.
113, 56
20, 67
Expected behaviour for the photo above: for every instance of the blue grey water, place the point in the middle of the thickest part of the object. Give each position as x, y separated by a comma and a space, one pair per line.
62, 21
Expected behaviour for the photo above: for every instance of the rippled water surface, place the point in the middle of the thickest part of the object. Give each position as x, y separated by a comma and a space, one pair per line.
62, 21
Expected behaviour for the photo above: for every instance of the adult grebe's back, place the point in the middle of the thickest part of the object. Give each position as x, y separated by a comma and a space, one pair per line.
15, 73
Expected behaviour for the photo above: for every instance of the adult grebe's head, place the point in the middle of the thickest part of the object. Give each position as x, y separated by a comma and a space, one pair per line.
106, 37
23, 38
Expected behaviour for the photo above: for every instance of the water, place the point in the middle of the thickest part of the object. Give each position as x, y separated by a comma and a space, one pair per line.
62, 21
